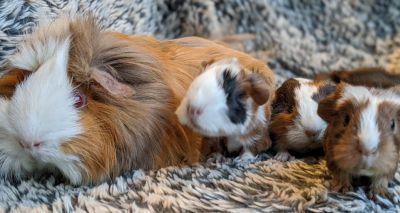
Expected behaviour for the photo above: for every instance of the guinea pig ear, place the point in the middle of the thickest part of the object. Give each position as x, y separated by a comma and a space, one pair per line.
327, 107
258, 88
205, 64
111, 84
285, 97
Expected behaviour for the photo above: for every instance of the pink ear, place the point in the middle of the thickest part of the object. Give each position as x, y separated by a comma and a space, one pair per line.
111, 84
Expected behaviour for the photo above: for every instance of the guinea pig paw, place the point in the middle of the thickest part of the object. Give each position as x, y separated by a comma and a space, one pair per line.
246, 156
283, 156
342, 188
383, 192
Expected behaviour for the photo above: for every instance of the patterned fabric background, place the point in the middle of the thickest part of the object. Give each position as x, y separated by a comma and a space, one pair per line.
295, 38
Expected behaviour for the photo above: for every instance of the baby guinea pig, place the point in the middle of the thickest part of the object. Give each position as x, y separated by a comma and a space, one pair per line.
362, 137
229, 101
295, 124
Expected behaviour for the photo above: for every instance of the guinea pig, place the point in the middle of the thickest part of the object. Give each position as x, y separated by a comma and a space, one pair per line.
362, 137
363, 76
227, 100
91, 104
295, 124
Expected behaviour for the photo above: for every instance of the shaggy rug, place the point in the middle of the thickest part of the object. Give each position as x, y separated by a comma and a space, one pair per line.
295, 38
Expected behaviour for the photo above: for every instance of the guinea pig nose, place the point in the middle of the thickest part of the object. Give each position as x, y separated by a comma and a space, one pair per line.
194, 111
311, 133
29, 145
37, 144
366, 152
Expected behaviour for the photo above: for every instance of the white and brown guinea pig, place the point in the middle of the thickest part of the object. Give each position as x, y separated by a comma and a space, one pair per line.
362, 137
227, 100
91, 104
295, 124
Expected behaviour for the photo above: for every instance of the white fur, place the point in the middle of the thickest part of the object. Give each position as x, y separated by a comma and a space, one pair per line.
308, 116
41, 110
38, 47
355, 94
368, 132
206, 93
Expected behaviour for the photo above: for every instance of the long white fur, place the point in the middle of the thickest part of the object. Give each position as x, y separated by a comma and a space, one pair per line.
38, 47
41, 110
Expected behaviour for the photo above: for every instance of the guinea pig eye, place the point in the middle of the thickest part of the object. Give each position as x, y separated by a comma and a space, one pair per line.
346, 120
79, 100
392, 125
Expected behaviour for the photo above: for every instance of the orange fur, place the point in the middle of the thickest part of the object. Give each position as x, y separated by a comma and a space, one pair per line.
139, 131
9, 81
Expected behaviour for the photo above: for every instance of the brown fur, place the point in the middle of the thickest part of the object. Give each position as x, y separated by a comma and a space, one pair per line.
363, 76
283, 114
141, 130
342, 150
10, 80
259, 89
255, 86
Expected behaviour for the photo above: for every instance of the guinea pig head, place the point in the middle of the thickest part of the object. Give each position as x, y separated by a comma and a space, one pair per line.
295, 122
363, 134
224, 100
42, 113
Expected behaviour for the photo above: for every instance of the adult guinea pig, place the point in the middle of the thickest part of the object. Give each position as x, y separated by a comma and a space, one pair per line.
362, 137
295, 124
227, 100
91, 104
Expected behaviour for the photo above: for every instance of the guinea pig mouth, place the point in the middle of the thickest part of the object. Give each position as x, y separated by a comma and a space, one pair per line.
315, 136
193, 122
33, 155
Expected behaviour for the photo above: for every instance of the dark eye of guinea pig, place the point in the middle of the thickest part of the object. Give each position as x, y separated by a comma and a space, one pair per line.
346, 120
392, 125
234, 98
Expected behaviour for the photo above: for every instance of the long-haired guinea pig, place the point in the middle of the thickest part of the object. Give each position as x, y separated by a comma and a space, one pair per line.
227, 100
295, 125
362, 137
92, 104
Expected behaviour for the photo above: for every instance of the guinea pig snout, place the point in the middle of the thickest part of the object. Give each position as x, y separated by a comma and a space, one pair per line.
194, 113
365, 151
29, 144
313, 134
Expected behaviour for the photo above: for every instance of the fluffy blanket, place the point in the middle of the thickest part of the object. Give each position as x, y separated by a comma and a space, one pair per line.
295, 38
